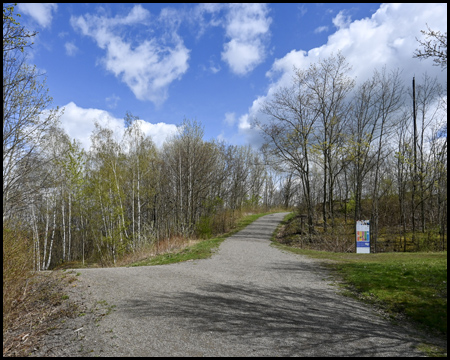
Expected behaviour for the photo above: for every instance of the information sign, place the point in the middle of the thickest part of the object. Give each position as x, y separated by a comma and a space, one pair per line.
362, 237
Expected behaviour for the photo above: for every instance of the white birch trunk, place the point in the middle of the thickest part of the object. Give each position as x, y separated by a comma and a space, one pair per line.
132, 213
37, 258
103, 215
64, 230
139, 203
70, 223
53, 237
181, 195
82, 237
46, 234
120, 203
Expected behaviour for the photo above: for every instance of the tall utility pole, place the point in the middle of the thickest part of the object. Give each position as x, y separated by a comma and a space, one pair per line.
413, 205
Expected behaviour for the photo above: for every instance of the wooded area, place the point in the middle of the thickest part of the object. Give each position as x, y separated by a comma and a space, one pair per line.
357, 150
333, 150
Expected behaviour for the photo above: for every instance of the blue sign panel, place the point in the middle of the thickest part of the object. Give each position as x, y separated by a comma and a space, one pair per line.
362, 237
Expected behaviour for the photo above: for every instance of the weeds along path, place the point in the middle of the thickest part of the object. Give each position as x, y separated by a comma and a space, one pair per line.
248, 299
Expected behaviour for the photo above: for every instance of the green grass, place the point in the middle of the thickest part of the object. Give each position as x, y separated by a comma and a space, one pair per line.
405, 285
413, 284
202, 250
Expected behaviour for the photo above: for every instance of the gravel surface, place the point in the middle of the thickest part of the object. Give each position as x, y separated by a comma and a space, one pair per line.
248, 299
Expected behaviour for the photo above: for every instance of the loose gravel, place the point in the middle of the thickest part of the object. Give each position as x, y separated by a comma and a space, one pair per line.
248, 299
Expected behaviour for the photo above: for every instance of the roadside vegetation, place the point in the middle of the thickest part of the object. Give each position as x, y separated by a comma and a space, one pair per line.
202, 249
34, 302
178, 248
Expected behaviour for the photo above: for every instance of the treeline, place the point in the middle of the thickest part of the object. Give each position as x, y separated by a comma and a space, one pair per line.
374, 151
123, 195
63, 203
334, 149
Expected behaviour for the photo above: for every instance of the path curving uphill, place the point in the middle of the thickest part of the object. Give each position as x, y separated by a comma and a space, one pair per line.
248, 299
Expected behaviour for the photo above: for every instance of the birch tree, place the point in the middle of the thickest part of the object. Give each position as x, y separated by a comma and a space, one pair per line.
189, 170
141, 185
107, 180
25, 122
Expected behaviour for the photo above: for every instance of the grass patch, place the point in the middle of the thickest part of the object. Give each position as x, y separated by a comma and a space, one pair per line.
201, 250
412, 284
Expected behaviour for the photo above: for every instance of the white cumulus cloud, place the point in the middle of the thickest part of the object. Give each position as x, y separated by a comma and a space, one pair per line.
42, 13
147, 68
341, 20
247, 26
388, 38
79, 122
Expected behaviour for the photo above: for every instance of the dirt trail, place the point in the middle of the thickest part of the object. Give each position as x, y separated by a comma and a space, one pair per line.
248, 299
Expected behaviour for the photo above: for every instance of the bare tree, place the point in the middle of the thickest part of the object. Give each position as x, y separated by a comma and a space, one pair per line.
402, 156
388, 102
306, 121
428, 96
289, 131
329, 86
24, 120
438, 153
435, 46
238, 160
375, 107
190, 172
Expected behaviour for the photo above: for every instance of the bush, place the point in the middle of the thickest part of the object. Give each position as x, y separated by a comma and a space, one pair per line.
17, 271
204, 228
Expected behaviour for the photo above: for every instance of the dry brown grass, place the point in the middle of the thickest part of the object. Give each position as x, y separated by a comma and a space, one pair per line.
341, 238
40, 311
32, 302
17, 272
173, 244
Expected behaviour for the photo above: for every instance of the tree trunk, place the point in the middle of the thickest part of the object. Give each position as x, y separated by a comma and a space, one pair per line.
63, 228
53, 237
69, 229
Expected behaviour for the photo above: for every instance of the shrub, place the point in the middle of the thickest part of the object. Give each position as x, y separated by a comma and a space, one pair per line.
204, 227
17, 271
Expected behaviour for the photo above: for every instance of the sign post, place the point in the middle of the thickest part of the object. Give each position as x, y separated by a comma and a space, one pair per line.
362, 237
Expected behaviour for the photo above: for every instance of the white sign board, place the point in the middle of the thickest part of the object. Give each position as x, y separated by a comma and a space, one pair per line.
362, 237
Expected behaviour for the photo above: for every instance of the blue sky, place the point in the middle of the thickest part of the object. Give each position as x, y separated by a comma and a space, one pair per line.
215, 63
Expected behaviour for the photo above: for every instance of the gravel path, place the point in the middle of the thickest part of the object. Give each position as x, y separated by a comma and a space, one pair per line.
248, 299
